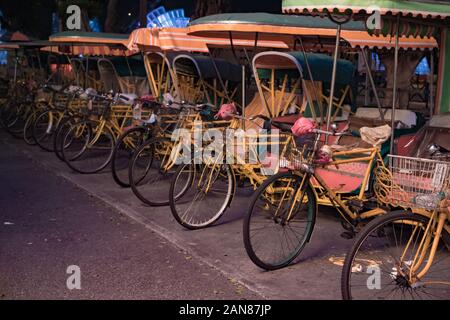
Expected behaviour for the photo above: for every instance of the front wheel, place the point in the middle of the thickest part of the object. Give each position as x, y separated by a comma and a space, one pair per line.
43, 128
127, 143
87, 147
200, 194
150, 171
382, 262
279, 221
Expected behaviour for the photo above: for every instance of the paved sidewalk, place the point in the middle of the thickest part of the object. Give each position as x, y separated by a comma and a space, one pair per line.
314, 276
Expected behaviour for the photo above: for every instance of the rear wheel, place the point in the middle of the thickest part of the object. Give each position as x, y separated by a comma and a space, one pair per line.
58, 137
85, 150
279, 221
15, 120
127, 143
43, 129
379, 263
28, 129
151, 170
200, 194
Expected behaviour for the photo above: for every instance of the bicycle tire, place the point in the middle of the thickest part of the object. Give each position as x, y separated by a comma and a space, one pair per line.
250, 219
79, 161
151, 187
374, 227
120, 179
205, 215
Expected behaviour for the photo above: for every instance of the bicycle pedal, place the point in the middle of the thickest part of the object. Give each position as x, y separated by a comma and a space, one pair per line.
348, 235
356, 204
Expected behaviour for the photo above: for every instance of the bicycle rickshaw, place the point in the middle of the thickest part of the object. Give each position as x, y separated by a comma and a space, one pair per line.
407, 250
193, 86
279, 91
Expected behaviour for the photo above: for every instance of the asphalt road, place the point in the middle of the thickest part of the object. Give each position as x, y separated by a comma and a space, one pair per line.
126, 249
48, 224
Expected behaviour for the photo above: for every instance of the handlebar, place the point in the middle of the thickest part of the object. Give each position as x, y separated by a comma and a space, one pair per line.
332, 133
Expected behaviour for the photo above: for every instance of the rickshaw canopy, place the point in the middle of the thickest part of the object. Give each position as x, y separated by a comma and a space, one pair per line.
321, 66
89, 44
205, 68
165, 39
415, 13
281, 31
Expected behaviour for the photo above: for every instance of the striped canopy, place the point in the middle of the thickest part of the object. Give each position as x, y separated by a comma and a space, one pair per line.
87, 50
422, 16
420, 9
281, 31
89, 44
165, 39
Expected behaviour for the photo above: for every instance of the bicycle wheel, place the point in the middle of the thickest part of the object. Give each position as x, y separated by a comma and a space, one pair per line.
61, 131
16, 127
15, 120
200, 194
379, 262
43, 129
151, 170
127, 143
85, 150
28, 129
279, 221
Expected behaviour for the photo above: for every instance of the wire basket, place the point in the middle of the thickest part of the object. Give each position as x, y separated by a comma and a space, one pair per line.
299, 152
417, 183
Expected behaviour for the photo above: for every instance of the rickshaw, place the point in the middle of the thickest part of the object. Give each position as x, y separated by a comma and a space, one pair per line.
406, 249
279, 91
201, 85
30, 70
102, 122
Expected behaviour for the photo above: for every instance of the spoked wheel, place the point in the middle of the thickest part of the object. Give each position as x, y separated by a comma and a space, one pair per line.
13, 119
200, 194
127, 143
43, 128
85, 149
61, 131
28, 129
17, 127
150, 172
382, 262
279, 221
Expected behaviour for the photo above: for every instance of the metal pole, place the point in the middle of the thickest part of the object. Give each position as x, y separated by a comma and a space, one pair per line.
86, 74
308, 67
333, 79
431, 88
243, 95
16, 58
368, 70
143, 13
219, 76
372, 83
394, 94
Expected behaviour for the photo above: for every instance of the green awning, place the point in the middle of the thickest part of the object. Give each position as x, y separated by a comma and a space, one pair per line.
417, 8
275, 20
199, 65
321, 67
423, 17
89, 37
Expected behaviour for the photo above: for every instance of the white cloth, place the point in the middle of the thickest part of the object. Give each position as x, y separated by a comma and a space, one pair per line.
375, 136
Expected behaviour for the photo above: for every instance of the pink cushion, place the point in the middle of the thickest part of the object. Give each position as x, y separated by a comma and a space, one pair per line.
303, 126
